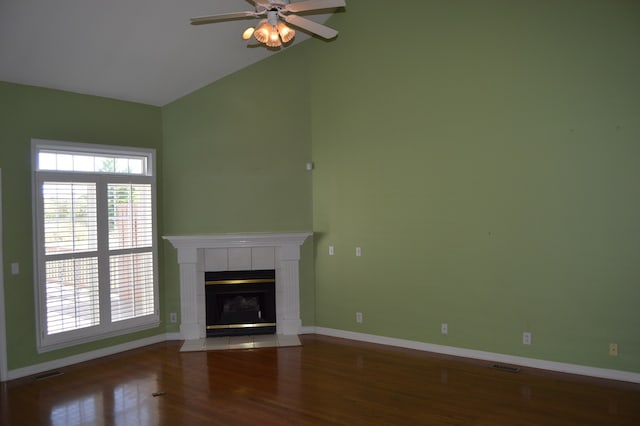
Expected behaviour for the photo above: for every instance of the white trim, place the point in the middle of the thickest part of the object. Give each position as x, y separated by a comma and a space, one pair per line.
106, 327
192, 254
582, 370
237, 240
3, 331
603, 373
86, 356
89, 148
173, 336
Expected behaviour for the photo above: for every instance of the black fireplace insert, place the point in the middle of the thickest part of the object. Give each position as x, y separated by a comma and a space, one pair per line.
240, 302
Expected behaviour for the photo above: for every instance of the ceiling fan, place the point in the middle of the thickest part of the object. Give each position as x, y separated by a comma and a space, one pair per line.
271, 31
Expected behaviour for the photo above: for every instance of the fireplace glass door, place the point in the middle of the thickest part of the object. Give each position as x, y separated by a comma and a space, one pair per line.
240, 302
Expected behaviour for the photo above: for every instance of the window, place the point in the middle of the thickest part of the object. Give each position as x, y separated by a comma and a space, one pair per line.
95, 241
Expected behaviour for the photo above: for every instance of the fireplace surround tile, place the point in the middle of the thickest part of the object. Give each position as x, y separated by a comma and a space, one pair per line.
196, 253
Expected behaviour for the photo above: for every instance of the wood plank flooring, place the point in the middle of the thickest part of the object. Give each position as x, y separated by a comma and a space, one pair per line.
325, 381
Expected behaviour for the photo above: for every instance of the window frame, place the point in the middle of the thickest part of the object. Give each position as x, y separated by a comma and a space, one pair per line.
106, 327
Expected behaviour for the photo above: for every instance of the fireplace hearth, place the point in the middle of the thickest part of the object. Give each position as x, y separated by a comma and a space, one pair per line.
240, 302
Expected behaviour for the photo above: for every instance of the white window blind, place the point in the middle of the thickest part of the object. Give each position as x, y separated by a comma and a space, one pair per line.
70, 215
130, 229
95, 242
131, 286
130, 216
71, 241
72, 294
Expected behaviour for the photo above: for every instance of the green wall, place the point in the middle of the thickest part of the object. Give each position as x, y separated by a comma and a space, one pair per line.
235, 155
485, 157
30, 112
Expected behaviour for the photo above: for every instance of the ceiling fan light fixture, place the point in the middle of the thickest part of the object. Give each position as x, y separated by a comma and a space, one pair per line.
274, 38
286, 34
271, 31
262, 31
246, 35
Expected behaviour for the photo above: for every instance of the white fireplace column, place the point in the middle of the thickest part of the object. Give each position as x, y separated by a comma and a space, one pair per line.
200, 253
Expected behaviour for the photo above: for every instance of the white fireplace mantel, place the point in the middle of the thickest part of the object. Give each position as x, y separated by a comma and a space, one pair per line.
198, 254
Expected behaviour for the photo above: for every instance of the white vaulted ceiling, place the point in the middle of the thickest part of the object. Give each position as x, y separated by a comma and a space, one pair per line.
135, 50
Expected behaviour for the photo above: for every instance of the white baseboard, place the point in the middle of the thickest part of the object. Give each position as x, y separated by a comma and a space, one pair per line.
625, 376
174, 336
87, 356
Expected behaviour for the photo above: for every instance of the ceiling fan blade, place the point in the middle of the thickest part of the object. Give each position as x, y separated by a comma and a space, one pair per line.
222, 17
260, 2
309, 25
305, 6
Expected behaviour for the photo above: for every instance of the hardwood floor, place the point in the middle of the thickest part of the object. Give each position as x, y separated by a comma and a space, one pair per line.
325, 381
